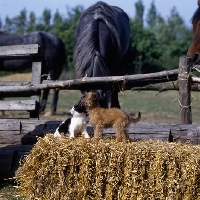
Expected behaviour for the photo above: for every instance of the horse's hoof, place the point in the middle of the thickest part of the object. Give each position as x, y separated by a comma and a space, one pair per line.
49, 113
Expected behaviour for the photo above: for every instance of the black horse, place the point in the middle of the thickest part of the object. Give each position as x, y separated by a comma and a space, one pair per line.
102, 45
53, 58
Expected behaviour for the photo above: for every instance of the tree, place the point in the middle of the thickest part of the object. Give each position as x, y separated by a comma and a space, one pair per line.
57, 18
20, 22
47, 18
139, 10
73, 16
145, 49
151, 16
173, 37
8, 26
68, 31
31, 22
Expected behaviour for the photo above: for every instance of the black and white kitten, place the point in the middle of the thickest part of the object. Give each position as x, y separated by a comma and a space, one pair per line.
75, 125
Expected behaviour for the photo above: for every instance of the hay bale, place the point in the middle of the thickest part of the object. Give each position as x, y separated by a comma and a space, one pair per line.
106, 169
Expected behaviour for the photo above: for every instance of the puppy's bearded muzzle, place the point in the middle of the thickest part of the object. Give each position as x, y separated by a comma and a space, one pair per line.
89, 99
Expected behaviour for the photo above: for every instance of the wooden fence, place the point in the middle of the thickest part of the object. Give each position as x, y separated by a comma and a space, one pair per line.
178, 79
29, 52
18, 135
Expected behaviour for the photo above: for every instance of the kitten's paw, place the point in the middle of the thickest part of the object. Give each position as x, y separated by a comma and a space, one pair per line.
87, 136
56, 134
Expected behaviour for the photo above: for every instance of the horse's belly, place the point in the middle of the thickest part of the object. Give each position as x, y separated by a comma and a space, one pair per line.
15, 65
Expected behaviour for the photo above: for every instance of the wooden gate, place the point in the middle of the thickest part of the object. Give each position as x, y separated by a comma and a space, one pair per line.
31, 52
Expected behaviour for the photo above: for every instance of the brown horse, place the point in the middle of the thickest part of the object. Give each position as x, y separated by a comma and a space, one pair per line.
194, 50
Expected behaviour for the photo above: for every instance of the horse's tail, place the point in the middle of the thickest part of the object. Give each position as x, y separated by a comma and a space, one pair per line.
87, 58
105, 14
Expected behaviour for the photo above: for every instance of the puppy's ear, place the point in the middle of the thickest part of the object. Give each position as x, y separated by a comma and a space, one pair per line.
84, 92
95, 96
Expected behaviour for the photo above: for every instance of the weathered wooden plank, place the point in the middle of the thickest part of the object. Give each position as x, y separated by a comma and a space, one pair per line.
36, 72
90, 84
14, 126
195, 79
8, 85
36, 79
14, 83
10, 137
25, 88
19, 49
18, 105
39, 130
28, 131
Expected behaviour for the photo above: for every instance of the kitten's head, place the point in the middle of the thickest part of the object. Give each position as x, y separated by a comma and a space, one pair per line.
78, 108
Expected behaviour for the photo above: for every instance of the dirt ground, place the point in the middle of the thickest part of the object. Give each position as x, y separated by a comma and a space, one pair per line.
17, 77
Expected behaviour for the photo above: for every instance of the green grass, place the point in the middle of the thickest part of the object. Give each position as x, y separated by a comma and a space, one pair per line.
155, 107
162, 107
8, 191
158, 107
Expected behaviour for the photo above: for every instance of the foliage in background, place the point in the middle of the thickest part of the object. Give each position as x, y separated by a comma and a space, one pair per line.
157, 43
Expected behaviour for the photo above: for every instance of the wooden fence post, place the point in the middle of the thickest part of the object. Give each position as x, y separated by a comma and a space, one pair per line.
185, 64
36, 79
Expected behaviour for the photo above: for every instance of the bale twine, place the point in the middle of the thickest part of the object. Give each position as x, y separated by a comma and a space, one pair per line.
105, 169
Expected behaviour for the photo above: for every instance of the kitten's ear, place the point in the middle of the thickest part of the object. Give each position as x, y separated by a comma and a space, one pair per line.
74, 107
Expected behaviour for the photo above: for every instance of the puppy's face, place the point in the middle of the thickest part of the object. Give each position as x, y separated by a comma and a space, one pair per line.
90, 99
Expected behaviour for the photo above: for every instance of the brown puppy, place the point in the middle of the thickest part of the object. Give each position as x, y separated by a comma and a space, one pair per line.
102, 118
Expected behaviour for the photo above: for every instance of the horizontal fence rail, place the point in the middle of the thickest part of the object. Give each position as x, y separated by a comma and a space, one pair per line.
168, 80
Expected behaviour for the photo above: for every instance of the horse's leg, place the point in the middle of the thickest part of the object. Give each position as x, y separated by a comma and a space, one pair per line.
52, 111
54, 101
112, 99
44, 99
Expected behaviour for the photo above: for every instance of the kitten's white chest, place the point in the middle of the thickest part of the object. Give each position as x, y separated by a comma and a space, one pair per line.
75, 125
78, 125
